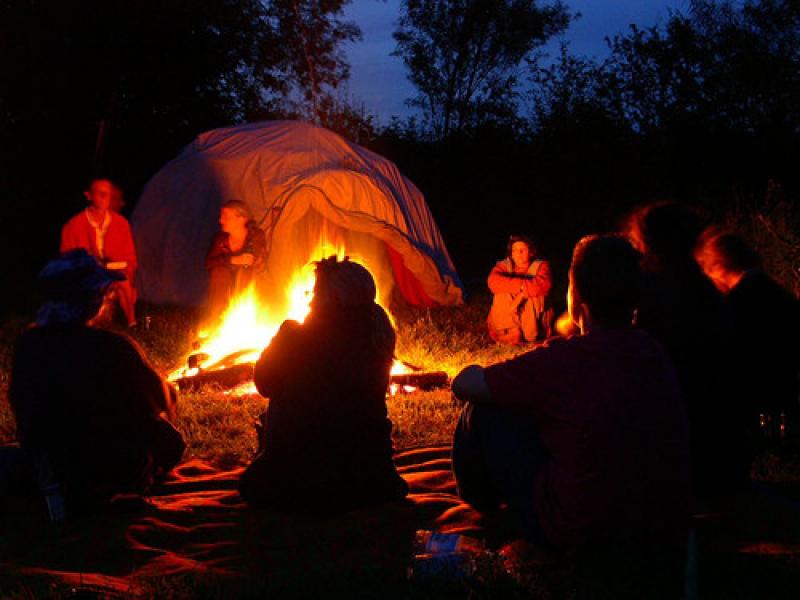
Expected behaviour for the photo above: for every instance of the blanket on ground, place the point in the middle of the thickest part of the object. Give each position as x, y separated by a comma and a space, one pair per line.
196, 525
195, 531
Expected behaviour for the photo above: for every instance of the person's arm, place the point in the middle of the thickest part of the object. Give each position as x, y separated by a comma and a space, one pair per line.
502, 282
69, 237
277, 359
128, 248
540, 283
218, 255
470, 385
159, 395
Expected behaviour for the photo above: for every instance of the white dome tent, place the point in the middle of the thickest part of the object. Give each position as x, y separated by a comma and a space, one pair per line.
300, 181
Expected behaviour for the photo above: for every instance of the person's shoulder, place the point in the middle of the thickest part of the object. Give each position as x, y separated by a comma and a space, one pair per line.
551, 348
77, 219
119, 220
504, 264
114, 341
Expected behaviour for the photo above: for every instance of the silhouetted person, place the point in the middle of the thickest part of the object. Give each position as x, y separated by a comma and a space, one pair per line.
91, 412
106, 235
682, 309
767, 319
585, 437
327, 446
519, 284
236, 254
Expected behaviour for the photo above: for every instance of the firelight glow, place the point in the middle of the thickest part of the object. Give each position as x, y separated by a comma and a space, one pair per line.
248, 326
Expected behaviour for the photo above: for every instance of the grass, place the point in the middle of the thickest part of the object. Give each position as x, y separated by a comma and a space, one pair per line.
219, 426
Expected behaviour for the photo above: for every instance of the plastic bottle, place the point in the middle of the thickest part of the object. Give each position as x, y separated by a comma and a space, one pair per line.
435, 542
445, 556
50, 488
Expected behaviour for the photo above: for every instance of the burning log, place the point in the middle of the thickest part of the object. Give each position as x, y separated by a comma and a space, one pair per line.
227, 377
231, 376
422, 380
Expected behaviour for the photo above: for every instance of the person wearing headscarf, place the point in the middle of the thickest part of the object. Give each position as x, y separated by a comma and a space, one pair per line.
519, 284
237, 252
92, 413
326, 446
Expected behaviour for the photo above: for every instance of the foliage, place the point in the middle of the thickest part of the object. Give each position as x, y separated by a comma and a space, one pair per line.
117, 87
308, 37
772, 225
219, 426
463, 56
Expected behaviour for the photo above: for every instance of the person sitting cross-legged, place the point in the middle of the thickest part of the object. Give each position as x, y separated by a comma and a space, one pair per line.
583, 438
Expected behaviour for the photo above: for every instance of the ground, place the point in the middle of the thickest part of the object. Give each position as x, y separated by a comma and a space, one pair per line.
219, 429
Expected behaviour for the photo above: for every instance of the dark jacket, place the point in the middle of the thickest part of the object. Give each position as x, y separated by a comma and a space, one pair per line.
327, 443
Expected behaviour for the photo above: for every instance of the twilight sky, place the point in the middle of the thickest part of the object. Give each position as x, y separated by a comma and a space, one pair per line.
379, 80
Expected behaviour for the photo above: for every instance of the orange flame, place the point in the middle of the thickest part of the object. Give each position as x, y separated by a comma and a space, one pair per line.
248, 325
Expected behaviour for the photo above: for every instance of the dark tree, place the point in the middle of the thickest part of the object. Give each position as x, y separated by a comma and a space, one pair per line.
464, 56
311, 62
117, 87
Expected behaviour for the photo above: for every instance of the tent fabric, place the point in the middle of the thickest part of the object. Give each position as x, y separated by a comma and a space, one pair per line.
290, 174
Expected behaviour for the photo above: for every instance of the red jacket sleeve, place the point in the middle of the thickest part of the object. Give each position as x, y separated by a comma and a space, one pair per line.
541, 283
120, 247
500, 284
70, 237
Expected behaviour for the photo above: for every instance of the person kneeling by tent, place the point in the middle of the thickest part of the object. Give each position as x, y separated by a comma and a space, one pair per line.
236, 254
520, 284
326, 446
91, 412
584, 438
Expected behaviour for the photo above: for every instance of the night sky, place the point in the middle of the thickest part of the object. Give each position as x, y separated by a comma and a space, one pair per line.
379, 80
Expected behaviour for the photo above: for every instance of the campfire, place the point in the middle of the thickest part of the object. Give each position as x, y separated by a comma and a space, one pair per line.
226, 354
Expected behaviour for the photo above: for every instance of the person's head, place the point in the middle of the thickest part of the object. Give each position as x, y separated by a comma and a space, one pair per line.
100, 193
74, 285
665, 232
724, 257
520, 250
235, 216
604, 282
343, 283
343, 286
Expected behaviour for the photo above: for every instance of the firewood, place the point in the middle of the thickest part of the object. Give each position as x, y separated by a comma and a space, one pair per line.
225, 378
424, 380
232, 376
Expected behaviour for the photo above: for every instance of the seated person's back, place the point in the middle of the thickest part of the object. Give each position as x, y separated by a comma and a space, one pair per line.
327, 442
86, 400
611, 461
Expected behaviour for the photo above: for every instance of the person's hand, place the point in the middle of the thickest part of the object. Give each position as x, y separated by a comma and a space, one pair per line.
245, 260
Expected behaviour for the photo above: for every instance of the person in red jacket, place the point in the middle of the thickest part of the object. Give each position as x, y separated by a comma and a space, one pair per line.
106, 235
520, 284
